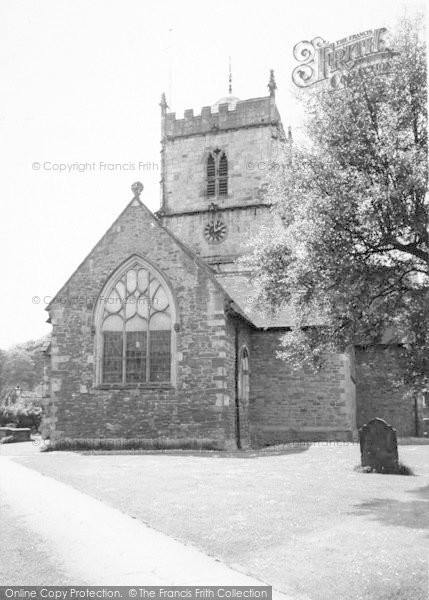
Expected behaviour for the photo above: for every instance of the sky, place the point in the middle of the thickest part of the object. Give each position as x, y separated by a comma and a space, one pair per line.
81, 85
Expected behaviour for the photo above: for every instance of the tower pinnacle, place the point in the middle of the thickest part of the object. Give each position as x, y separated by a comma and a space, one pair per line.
272, 86
163, 104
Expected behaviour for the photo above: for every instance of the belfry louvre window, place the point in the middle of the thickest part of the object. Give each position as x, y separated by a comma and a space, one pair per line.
136, 330
223, 175
217, 174
211, 176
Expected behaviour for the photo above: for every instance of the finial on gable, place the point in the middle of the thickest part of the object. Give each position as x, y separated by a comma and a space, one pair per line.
272, 86
230, 78
137, 189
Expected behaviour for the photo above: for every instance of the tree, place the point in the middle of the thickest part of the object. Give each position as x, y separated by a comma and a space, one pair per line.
351, 243
2, 360
18, 369
22, 365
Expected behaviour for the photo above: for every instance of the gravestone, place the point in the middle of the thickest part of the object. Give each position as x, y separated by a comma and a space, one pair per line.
378, 446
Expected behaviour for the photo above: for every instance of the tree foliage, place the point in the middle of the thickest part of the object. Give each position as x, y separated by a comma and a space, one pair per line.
351, 241
22, 366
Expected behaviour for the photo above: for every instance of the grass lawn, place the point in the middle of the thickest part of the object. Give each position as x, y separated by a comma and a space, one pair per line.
301, 520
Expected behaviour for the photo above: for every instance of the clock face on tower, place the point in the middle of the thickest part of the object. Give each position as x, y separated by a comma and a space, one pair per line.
215, 231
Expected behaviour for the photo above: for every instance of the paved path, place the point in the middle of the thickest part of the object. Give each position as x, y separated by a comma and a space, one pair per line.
98, 545
24, 557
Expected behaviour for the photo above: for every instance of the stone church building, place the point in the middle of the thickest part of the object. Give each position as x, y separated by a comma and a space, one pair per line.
155, 335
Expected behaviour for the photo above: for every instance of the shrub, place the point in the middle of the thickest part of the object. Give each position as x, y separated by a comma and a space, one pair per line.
8, 439
22, 414
398, 469
112, 444
404, 470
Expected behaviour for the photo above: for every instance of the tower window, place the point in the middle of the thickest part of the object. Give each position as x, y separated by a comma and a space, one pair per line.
217, 174
223, 175
211, 176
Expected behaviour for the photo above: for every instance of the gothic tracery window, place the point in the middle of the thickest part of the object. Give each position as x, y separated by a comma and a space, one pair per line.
136, 328
217, 174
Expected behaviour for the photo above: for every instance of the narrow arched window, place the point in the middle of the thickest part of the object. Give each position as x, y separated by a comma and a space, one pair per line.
135, 328
223, 175
211, 176
217, 174
243, 375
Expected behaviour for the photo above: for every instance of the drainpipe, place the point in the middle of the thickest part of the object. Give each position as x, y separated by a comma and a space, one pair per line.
237, 401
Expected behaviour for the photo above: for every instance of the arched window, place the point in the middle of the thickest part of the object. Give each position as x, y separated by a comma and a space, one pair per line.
135, 317
211, 176
217, 174
243, 375
223, 175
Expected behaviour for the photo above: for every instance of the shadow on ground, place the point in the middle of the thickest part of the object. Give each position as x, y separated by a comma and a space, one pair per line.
244, 454
37, 446
413, 514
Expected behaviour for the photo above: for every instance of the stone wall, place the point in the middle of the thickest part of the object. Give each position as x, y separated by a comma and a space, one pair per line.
378, 395
249, 153
288, 406
246, 113
198, 405
238, 334
251, 136
242, 225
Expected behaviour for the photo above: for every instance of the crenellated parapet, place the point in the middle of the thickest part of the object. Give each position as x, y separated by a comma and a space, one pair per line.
247, 113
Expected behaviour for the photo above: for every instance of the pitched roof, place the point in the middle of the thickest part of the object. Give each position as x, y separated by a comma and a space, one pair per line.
46, 344
236, 286
239, 287
137, 202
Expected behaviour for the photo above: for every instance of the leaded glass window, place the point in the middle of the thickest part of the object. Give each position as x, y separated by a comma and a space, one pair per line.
136, 329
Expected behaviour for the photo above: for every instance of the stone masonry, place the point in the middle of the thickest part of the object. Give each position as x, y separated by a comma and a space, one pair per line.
379, 396
250, 134
214, 327
200, 405
289, 406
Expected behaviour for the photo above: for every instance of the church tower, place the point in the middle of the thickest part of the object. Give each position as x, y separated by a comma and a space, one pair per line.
213, 166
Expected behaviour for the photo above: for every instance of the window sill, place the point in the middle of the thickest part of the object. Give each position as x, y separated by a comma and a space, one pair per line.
134, 386
218, 197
